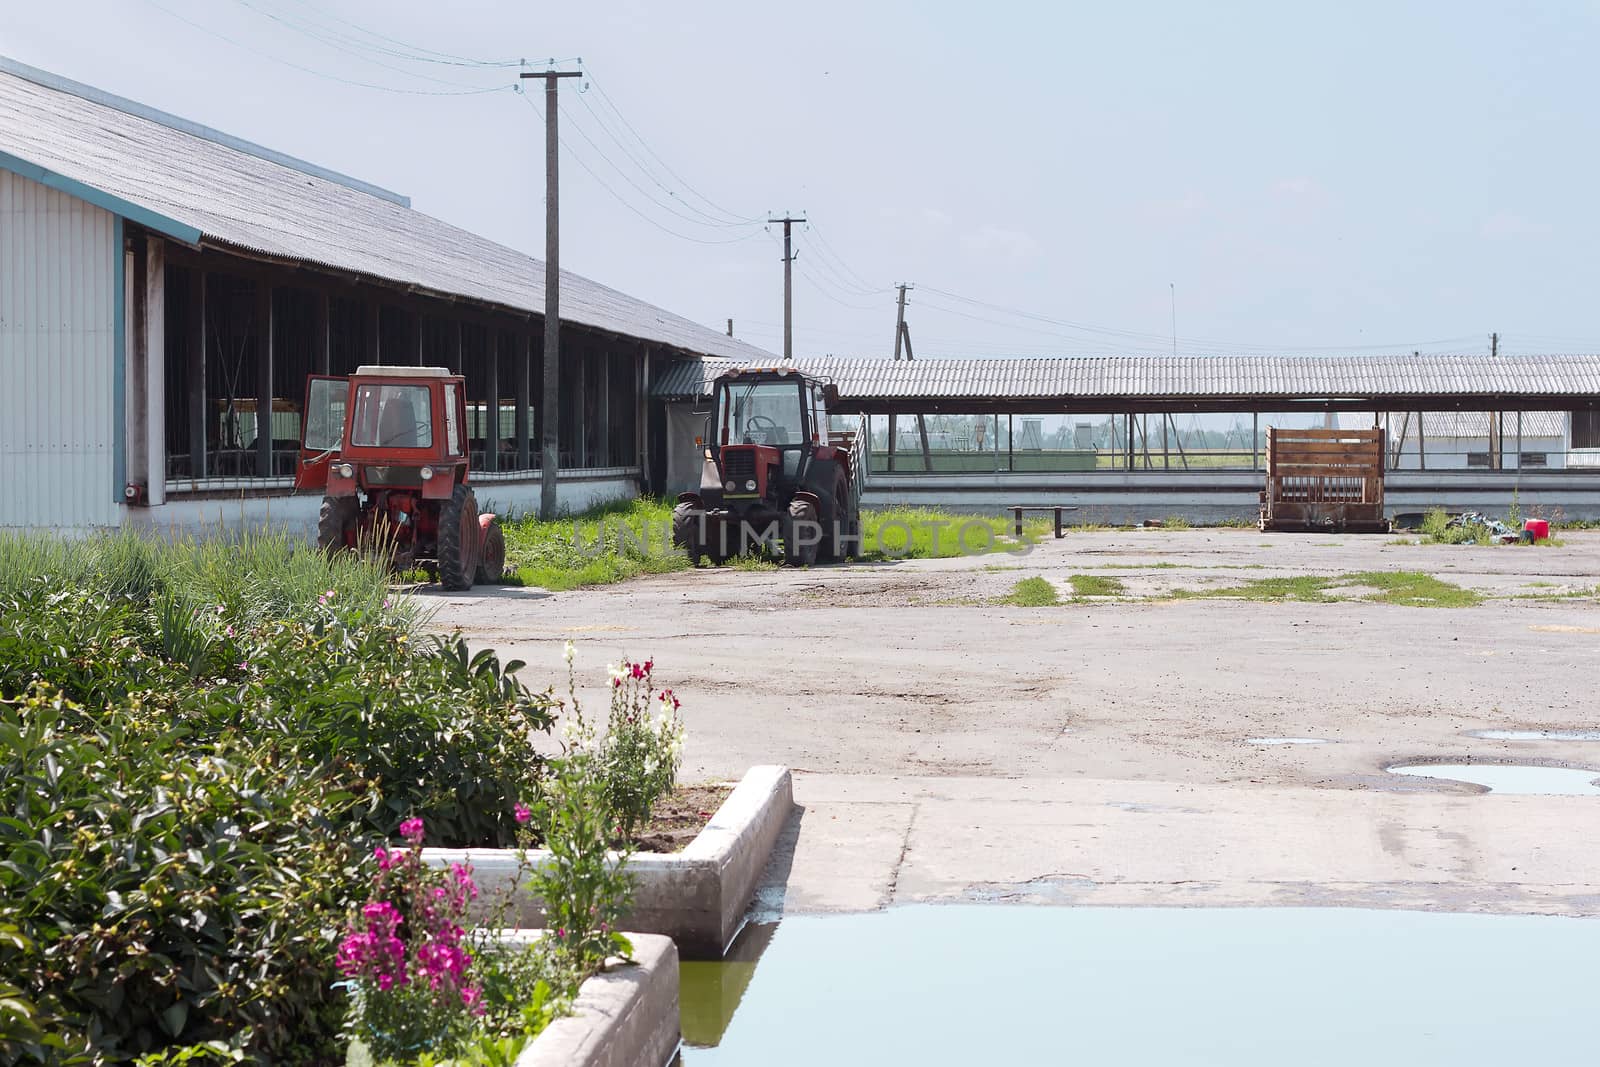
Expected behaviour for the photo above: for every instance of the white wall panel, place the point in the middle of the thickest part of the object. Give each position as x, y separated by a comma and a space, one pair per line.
57, 355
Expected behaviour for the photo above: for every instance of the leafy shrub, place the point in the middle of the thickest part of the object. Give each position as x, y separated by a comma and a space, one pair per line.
166, 895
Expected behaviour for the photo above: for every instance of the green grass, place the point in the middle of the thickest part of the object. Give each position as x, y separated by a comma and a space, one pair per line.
251, 578
1408, 588
1096, 585
1413, 589
887, 528
1032, 593
600, 546
1175, 522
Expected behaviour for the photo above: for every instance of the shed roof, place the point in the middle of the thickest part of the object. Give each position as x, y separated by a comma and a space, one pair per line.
1190, 381
206, 188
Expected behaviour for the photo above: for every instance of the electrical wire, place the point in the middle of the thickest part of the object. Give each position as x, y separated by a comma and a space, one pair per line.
578, 158
605, 97
405, 50
319, 73
668, 208
357, 51
861, 283
709, 219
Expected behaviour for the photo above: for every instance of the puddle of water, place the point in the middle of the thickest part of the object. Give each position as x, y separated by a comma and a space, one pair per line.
1536, 735
1287, 741
1512, 778
970, 984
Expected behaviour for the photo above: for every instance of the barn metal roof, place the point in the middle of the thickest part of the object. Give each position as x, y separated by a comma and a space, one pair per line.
202, 187
1185, 378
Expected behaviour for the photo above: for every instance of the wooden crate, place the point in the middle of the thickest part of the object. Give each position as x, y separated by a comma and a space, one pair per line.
1324, 480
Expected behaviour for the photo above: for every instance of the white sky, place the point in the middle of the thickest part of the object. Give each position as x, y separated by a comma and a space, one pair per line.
1360, 174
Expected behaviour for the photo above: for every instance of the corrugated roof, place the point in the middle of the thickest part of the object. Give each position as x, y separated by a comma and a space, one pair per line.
1179, 377
1464, 424
240, 196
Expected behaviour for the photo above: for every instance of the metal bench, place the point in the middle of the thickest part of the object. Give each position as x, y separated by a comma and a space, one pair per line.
1017, 510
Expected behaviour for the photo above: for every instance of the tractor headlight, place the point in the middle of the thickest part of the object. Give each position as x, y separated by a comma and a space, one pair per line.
426, 472
730, 486
346, 470
750, 486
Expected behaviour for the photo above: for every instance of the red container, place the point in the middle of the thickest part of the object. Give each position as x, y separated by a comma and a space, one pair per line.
1540, 528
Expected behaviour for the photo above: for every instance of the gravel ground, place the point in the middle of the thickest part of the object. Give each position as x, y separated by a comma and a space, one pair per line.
1107, 750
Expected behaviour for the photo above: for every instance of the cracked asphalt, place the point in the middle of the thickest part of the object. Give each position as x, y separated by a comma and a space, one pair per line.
949, 748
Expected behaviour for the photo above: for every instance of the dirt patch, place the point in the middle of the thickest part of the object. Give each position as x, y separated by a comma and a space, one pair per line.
679, 817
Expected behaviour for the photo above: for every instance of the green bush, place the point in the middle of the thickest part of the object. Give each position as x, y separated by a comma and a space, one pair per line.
166, 895
196, 745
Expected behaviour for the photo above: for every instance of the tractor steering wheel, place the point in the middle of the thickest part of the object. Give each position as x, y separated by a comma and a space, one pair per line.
760, 424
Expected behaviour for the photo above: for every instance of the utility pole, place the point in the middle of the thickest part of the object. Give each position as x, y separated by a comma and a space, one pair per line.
1497, 419
549, 461
788, 287
902, 336
730, 327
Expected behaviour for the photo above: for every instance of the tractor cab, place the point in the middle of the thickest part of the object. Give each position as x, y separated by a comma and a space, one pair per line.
387, 447
766, 425
384, 428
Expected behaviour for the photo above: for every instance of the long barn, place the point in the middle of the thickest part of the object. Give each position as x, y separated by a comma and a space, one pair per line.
165, 290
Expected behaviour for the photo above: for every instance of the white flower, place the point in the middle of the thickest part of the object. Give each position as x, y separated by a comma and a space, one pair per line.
568, 652
618, 675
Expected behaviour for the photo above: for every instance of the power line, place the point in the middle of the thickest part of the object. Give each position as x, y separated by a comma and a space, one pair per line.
866, 286
335, 42
710, 220
319, 73
668, 208
411, 51
606, 99
624, 201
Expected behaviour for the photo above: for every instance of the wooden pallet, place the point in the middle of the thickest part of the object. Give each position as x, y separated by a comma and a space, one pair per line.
1324, 480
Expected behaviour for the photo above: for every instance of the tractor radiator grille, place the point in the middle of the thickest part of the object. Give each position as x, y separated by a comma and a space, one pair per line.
738, 465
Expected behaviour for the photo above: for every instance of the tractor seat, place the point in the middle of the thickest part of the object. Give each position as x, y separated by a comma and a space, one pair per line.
397, 428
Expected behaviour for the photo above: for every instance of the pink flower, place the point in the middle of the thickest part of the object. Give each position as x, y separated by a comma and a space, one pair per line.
638, 671
385, 858
561, 931
522, 813
411, 830
472, 999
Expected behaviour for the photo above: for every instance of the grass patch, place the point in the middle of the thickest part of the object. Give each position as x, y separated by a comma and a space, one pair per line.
1408, 588
1096, 585
1175, 522
1032, 593
1413, 589
606, 544
941, 534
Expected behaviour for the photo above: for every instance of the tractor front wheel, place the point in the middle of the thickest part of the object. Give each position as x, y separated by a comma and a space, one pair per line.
337, 523
458, 539
689, 533
492, 564
799, 534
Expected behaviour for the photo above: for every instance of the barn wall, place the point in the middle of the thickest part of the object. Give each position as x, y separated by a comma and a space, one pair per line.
58, 349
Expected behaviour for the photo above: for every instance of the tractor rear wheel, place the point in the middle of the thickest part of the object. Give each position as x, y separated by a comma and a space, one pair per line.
458, 539
686, 533
337, 523
492, 564
837, 539
802, 516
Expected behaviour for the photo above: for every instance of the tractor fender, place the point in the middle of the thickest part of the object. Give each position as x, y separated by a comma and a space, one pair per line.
811, 498
486, 520
690, 498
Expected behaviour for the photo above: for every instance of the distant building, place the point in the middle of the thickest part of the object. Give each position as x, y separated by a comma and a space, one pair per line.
1467, 440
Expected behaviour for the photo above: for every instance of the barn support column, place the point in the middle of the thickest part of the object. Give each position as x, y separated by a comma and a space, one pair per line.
580, 405
491, 403
265, 352
602, 412
320, 348
135, 417
155, 368
641, 425
522, 357
375, 331
196, 371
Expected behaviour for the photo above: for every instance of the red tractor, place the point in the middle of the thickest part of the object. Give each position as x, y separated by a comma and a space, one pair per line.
388, 448
772, 472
